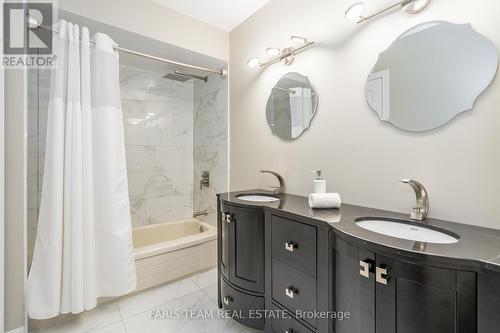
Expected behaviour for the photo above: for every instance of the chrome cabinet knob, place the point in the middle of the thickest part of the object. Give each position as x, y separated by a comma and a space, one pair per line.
381, 275
291, 291
227, 300
365, 268
290, 246
289, 331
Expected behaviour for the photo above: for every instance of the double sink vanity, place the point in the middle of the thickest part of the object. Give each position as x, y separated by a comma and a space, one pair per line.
287, 268
284, 267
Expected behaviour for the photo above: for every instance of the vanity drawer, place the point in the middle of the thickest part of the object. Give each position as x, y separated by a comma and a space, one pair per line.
242, 303
294, 243
294, 289
287, 324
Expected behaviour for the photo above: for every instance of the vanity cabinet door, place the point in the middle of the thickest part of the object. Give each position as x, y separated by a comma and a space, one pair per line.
354, 290
389, 295
246, 248
434, 300
224, 244
385, 291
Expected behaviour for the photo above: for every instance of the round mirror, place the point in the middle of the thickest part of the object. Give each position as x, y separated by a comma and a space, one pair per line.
291, 106
430, 74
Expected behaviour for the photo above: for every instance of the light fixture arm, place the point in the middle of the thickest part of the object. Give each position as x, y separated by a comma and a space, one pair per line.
288, 52
366, 18
286, 55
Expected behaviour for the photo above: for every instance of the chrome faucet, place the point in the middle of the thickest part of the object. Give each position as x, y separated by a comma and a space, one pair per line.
419, 213
278, 189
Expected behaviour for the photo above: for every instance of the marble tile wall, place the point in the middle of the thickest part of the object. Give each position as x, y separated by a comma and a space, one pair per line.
158, 123
210, 143
38, 102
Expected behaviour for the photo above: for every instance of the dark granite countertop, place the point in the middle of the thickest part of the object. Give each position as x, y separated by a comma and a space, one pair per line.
477, 248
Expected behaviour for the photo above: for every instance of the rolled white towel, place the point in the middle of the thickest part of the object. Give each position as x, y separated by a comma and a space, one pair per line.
324, 200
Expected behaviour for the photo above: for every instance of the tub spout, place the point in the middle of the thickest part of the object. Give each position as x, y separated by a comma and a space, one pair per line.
200, 213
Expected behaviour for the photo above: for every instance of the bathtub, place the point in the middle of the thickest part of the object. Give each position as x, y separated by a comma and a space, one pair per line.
164, 252
168, 251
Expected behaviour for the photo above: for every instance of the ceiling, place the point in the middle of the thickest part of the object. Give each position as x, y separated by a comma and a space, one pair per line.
222, 14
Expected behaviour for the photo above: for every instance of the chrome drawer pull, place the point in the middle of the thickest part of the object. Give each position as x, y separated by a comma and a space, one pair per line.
381, 275
289, 331
290, 246
290, 292
226, 217
227, 300
365, 269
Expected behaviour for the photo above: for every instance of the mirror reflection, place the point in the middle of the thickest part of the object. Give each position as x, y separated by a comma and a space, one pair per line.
291, 106
430, 74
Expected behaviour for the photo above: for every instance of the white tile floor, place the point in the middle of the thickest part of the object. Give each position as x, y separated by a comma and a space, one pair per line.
132, 314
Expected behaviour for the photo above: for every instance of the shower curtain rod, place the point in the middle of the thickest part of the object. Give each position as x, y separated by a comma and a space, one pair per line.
32, 24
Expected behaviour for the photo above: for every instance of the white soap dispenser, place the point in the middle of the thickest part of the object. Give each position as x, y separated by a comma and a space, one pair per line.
319, 183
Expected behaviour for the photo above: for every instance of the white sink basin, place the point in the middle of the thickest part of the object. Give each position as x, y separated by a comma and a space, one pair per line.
406, 230
257, 198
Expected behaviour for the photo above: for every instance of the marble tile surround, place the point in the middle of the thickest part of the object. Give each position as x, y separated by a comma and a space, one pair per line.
38, 102
210, 143
158, 124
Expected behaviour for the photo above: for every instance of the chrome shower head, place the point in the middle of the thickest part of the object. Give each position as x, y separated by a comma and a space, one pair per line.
176, 77
183, 77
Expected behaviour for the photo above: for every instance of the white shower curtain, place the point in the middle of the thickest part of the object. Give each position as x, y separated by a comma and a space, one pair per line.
83, 247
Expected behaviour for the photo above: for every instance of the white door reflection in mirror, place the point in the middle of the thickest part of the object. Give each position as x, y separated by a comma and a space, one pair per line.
377, 94
430, 74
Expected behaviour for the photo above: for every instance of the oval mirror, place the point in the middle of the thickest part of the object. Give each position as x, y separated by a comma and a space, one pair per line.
291, 106
430, 74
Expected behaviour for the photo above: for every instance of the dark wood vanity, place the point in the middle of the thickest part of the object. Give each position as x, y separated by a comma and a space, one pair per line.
386, 293
241, 263
310, 265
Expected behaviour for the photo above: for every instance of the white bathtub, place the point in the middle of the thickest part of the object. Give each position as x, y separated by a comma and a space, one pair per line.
168, 251
164, 252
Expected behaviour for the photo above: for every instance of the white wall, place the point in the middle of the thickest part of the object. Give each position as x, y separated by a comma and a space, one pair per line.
15, 200
362, 157
150, 19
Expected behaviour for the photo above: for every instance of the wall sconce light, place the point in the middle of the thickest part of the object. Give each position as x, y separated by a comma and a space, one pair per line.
253, 62
273, 51
286, 55
356, 10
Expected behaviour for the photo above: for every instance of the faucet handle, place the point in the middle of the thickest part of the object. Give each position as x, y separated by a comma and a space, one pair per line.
417, 213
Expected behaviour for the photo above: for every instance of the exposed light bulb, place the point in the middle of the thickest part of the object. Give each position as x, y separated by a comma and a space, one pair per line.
273, 51
298, 39
416, 6
253, 62
354, 12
